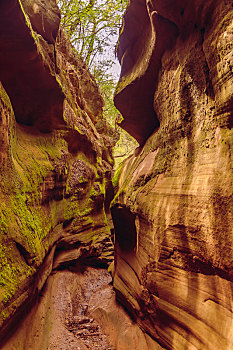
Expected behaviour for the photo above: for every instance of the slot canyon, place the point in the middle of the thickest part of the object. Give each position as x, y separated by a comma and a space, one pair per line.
137, 258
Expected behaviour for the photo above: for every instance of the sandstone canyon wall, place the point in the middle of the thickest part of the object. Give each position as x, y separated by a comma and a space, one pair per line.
173, 211
55, 164
173, 208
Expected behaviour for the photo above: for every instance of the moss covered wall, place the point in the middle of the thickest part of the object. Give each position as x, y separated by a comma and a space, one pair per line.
55, 166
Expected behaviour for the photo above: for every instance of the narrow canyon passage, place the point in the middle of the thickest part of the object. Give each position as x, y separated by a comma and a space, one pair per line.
77, 310
138, 258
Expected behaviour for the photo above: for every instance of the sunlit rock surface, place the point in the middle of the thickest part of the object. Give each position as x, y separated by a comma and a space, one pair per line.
55, 166
174, 206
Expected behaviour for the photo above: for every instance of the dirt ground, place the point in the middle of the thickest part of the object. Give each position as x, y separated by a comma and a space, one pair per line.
77, 310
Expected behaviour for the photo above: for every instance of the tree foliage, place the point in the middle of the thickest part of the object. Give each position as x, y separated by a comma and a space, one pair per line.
93, 27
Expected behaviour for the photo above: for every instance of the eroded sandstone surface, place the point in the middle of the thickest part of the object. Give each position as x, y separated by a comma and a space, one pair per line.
55, 165
174, 205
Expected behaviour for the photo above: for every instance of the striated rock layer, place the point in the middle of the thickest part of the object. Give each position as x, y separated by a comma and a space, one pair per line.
174, 206
55, 165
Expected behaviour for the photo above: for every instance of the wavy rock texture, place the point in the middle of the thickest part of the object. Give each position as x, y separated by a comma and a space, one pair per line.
55, 165
173, 209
